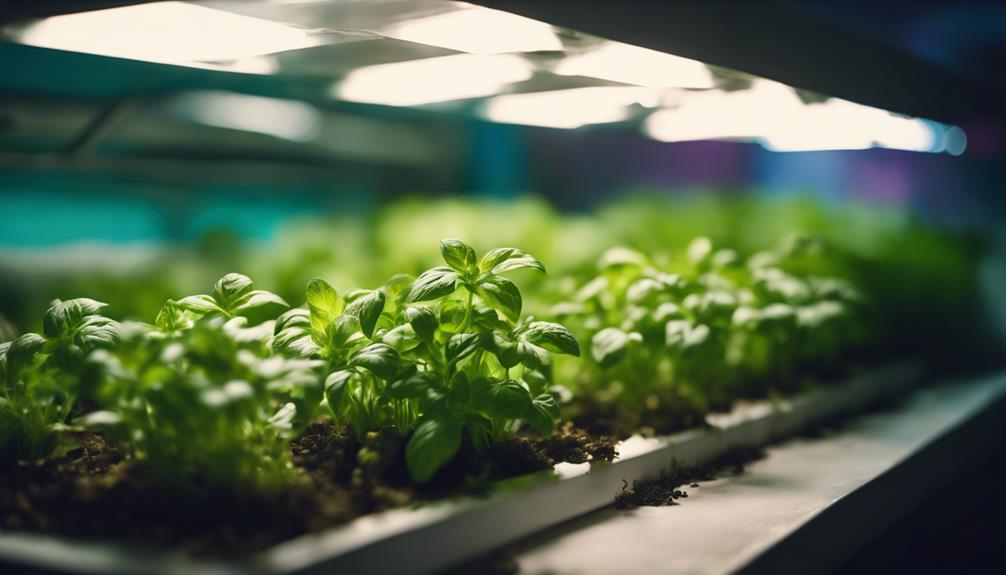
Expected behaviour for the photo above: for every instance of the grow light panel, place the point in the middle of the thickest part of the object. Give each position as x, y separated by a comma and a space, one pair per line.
774, 115
570, 108
627, 64
478, 30
167, 32
432, 79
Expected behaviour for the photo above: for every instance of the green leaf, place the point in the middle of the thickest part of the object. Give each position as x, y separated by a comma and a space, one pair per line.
345, 330
324, 304
619, 257
423, 321
461, 392
96, 331
458, 255
460, 346
543, 413
501, 294
296, 317
397, 287
229, 288
433, 284
403, 338
433, 444
336, 385
451, 314
353, 295
380, 358
535, 380
64, 316
699, 250
171, 317
282, 420
293, 334
504, 348
551, 336
502, 260
67, 356
368, 308
609, 346
413, 386
256, 299
22, 350
682, 335
509, 399
201, 304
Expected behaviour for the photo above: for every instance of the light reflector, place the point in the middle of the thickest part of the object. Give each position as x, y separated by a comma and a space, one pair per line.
431, 80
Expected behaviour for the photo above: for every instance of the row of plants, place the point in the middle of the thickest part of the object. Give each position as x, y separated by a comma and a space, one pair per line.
441, 358
480, 366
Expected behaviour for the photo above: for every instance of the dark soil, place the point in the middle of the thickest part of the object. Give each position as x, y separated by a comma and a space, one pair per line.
92, 491
660, 413
668, 489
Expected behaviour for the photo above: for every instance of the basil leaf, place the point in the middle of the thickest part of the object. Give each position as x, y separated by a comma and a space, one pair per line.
413, 386
433, 284
504, 348
460, 346
543, 413
501, 294
620, 257
229, 288
609, 346
682, 335
451, 313
502, 260
63, 316
509, 399
97, 331
458, 255
201, 304
21, 352
461, 392
171, 317
258, 298
433, 444
296, 317
423, 321
324, 304
380, 358
551, 336
368, 308
336, 389
403, 338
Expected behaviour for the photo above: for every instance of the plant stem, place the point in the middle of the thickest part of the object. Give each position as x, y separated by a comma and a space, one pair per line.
468, 312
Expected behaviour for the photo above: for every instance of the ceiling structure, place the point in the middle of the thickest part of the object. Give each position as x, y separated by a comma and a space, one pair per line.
388, 82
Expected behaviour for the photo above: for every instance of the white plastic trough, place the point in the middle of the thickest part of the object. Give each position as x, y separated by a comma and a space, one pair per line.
434, 536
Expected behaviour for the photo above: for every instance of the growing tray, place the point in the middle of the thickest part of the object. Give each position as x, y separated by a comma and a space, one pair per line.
427, 538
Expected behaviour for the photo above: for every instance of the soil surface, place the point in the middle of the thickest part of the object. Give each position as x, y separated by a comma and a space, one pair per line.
93, 491
668, 489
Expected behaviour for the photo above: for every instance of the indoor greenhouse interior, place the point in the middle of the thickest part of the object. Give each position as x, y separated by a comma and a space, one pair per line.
426, 286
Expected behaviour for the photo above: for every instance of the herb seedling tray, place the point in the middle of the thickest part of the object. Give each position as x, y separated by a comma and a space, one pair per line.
429, 537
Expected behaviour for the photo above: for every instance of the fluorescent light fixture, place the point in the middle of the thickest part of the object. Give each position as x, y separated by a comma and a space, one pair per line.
772, 114
166, 32
431, 80
478, 30
628, 64
569, 108
286, 119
